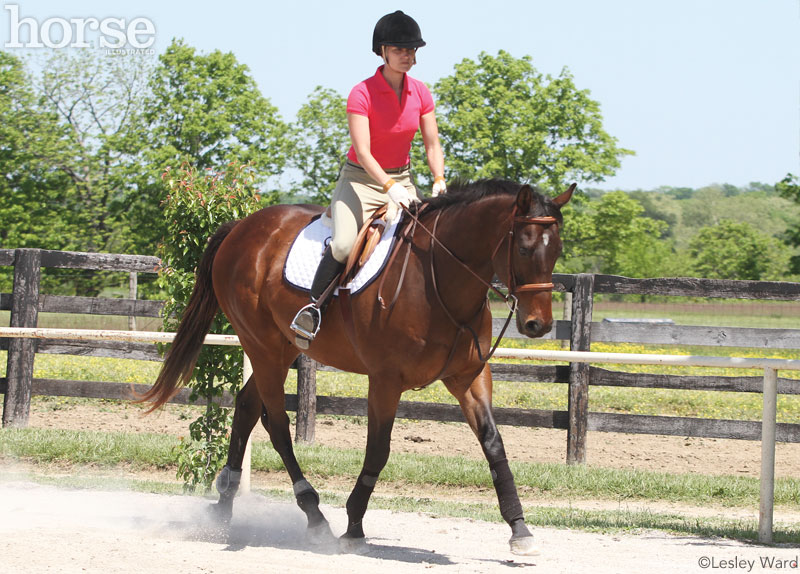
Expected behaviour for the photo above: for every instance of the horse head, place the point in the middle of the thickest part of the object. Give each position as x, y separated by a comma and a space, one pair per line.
526, 264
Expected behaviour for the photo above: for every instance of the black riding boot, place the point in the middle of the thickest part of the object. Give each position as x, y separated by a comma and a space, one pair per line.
308, 320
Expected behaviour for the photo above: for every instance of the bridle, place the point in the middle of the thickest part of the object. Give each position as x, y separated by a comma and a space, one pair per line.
513, 288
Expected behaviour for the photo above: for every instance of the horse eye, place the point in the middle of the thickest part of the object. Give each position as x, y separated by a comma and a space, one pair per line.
524, 251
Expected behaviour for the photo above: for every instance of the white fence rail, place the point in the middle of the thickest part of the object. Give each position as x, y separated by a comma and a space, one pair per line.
769, 366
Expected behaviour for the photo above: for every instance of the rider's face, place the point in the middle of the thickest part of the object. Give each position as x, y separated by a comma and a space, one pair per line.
400, 59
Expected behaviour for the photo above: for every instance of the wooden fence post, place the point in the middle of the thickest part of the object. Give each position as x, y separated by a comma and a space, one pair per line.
306, 399
24, 313
579, 373
567, 314
133, 293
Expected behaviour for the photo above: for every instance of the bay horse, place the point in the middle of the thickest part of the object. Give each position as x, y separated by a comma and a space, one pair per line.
439, 327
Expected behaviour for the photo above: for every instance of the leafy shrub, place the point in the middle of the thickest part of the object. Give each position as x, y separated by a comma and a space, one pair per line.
197, 204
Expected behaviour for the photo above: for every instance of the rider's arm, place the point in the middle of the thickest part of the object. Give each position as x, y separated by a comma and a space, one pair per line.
359, 135
433, 148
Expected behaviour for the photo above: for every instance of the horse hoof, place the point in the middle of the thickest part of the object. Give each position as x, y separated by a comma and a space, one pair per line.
220, 513
524, 546
350, 545
320, 535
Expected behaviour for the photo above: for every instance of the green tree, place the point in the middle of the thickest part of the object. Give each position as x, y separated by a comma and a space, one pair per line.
610, 235
206, 110
198, 202
735, 250
319, 140
64, 156
500, 117
657, 206
649, 256
99, 99
789, 187
30, 192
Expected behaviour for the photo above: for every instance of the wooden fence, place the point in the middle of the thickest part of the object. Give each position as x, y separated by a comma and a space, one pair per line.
26, 302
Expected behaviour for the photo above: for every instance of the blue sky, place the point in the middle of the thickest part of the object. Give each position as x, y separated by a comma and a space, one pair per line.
704, 91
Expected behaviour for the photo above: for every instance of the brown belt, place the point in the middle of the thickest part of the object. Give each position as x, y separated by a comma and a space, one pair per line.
394, 170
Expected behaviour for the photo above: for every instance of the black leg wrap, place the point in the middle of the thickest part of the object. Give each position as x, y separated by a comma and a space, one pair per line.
227, 482
308, 501
510, 507
357, 503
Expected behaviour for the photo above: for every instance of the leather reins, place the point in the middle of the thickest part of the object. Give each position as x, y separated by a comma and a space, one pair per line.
510, 298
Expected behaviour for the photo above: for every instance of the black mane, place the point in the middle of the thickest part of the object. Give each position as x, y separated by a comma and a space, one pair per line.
461, 192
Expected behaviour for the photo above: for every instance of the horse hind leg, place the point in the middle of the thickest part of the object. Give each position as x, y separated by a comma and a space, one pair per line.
475, 397
276, 421
245, 415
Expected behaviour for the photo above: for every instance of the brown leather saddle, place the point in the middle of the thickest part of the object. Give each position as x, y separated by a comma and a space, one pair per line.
366, 241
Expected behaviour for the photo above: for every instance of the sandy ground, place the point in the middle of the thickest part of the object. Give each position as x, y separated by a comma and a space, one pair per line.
50, 530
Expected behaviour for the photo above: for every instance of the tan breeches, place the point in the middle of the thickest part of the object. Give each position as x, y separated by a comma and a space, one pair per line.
354, 200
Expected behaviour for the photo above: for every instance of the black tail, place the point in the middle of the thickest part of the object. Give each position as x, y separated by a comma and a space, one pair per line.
196, 321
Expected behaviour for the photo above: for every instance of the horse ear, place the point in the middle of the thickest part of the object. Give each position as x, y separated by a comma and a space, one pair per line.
524, 199
562, 199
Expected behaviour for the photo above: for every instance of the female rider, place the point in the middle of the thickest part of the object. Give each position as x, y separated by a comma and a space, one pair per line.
384, 113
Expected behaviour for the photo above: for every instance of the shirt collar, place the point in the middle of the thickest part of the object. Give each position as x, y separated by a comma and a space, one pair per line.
385, 87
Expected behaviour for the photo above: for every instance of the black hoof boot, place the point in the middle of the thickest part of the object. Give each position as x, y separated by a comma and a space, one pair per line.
227, 485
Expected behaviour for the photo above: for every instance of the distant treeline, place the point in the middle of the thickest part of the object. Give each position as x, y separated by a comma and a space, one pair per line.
720, 231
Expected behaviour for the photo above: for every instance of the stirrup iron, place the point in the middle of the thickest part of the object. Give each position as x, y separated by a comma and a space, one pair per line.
306, 325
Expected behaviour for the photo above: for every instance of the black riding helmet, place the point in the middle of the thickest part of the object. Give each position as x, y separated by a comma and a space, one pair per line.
396, 29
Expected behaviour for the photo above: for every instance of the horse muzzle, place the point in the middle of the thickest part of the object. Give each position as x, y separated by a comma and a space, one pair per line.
533, 327
535, 312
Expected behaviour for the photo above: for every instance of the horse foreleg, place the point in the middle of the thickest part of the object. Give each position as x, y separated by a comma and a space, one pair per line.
475, 398
245, 415
382, 407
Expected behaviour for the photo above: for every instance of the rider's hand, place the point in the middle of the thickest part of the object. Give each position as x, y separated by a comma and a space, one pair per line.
397, 193
439, 186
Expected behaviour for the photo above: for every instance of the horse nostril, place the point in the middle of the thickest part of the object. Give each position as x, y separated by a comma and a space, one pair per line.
537, 328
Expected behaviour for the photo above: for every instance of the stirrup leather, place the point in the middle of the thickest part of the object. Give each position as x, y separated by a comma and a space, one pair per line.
307, 322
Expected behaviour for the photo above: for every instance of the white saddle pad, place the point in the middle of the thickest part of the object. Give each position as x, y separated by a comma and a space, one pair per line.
309, 246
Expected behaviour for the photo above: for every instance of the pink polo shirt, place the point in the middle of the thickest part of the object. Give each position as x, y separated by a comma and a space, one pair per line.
392, 122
